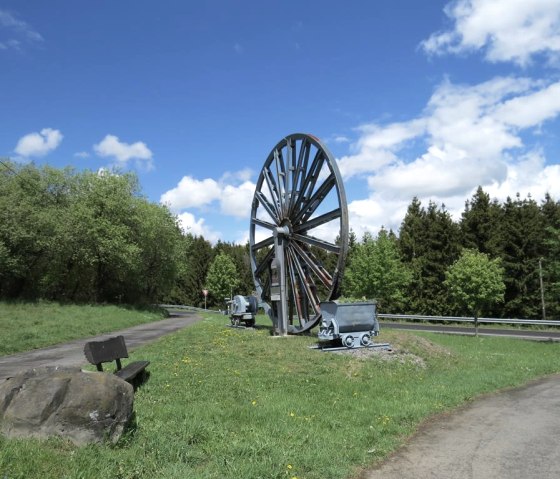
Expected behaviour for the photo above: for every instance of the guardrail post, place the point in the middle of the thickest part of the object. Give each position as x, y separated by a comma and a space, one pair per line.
476, 326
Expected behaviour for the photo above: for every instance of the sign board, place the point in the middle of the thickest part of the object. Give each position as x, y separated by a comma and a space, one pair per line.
205, 292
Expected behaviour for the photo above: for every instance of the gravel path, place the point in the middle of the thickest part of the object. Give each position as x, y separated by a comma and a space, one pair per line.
509, 435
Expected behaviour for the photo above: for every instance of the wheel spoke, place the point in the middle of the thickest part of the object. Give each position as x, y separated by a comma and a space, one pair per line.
296, 295
308, 286
318, 221
267, 206
309, 181
309, 207
301, 166
261, 244
264, 263
273, 188
281, 175
312, 262
264, 224
333, 248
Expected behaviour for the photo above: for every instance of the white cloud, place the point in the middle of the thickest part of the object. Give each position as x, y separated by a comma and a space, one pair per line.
531, 109
189, 224
233, 192
466, 136
82, 154
123, 152
236, 200
17, 32
377, 146
191, 193
38, 144
507, 30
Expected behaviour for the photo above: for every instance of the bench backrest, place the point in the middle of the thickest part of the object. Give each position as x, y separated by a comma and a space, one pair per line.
111, 349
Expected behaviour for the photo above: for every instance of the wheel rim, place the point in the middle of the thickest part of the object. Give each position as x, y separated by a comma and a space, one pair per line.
300, 191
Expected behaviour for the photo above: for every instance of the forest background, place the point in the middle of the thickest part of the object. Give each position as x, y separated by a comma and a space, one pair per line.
82, 237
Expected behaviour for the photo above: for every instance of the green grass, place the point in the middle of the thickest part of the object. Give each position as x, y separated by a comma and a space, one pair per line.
234, 403
27, 326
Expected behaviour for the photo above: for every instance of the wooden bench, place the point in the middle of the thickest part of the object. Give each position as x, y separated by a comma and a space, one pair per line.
114, 349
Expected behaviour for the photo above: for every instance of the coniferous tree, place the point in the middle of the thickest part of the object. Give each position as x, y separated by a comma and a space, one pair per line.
199, 256
480, 224
429, 243
522, 235
551, 258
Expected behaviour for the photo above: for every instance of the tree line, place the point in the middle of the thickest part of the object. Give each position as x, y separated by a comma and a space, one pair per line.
87, 237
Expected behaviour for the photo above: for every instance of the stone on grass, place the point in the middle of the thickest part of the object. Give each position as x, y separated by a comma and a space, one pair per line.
81, 406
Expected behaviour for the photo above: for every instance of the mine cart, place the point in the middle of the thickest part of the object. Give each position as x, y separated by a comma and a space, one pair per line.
352, 324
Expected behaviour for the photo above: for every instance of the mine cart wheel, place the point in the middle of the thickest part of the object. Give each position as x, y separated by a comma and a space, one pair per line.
300, 192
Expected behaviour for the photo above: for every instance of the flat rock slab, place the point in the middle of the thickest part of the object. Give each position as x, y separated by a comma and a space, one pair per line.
84, 407
510, 435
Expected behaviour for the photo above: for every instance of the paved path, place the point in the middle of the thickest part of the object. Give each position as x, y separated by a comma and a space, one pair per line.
72, 353
509, 435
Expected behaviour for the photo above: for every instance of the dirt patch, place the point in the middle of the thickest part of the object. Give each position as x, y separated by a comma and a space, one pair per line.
405, 348
414, 344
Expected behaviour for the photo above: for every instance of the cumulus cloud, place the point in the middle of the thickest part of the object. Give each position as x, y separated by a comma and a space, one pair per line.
197, 227
468, 135
233, 192
506, 30
38, 144
191, 193
236, 200
230, 196
112, 147
14, 33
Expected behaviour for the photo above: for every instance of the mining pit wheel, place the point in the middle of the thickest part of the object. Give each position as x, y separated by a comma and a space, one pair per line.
298, 233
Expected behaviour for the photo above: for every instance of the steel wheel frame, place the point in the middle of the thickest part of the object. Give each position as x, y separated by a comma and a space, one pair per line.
298, 176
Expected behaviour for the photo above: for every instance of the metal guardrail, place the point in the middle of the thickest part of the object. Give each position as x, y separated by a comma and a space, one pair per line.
189, 308
418, 317
411, 317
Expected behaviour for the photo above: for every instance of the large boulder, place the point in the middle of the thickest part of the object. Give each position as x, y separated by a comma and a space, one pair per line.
84, 407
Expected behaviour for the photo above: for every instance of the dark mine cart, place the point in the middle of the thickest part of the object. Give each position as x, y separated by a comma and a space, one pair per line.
351, 324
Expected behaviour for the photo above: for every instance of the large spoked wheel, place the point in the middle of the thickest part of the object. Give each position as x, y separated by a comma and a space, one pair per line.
299, 212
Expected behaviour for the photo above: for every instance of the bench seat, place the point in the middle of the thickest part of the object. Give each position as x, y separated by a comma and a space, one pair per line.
114, 349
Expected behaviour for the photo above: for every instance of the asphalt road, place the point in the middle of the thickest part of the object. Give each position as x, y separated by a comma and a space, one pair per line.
509, 435
515, 333
72, 353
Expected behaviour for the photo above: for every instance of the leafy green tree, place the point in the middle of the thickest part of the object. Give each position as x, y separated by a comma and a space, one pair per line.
159, 239
377, 272
240, 257
475, 282
82, 237
28, 218
221, 279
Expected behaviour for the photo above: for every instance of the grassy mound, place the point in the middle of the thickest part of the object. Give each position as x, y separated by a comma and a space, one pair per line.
238, 403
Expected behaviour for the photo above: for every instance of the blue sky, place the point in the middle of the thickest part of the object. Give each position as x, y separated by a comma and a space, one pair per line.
426, 99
